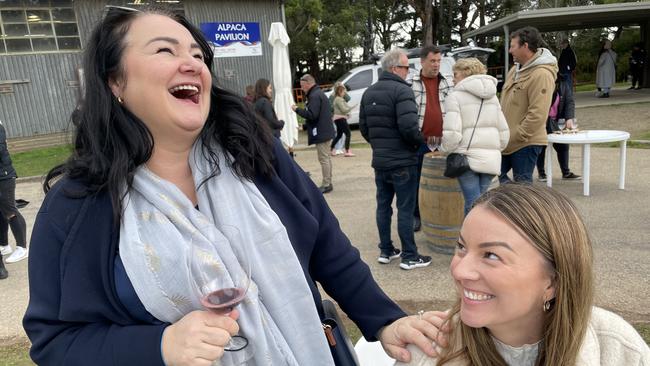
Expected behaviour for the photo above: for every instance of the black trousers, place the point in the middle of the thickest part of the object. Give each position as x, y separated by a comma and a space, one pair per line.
637, 76
562, 158
342, 127
9, 214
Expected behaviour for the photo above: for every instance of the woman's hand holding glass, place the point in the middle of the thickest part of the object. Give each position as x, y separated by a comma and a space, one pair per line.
198, 338
221, 289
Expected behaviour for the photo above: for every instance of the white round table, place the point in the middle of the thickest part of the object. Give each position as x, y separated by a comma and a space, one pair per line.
586, 138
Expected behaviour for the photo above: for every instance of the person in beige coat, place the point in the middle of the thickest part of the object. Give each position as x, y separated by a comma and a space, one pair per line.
526, 100
523, 270
341, 110
474, 113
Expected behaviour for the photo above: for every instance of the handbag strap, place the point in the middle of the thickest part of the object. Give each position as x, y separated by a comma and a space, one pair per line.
474, 129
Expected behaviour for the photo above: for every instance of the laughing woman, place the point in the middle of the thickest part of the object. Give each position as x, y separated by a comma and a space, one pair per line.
523, 272
165, 160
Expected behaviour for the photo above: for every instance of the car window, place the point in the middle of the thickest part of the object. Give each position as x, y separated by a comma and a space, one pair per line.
360, 81
344, 76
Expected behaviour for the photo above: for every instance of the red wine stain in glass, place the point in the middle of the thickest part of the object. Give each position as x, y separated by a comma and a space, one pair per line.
224, 300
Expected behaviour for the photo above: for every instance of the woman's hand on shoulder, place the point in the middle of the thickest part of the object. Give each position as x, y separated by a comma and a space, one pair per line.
198, 338
425, 331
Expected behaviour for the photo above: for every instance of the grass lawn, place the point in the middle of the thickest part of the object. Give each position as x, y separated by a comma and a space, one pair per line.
39, 161
592, 86
15, 355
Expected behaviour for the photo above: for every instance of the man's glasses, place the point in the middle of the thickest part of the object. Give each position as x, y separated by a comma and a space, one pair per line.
402, 66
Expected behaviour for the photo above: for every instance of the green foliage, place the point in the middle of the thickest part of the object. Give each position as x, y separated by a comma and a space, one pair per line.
39, 161
326, 36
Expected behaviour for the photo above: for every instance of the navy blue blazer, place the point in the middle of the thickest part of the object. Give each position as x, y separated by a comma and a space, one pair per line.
75, 317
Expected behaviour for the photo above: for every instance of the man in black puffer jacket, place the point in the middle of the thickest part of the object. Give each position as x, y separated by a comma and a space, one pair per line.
388, 119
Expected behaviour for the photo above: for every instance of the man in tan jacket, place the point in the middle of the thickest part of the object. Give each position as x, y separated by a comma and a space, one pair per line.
526, 100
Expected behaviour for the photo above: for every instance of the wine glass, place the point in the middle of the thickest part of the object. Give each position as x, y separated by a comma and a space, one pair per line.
433, 142
561, 124
220, 282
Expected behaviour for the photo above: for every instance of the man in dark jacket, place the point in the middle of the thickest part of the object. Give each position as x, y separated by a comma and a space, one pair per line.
388, 119
567, 62
320, 128
637, 63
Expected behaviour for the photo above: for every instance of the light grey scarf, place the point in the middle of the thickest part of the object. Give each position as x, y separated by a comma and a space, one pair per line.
278, 316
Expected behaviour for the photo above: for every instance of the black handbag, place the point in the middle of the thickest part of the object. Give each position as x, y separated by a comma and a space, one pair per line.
337, 337
457, 164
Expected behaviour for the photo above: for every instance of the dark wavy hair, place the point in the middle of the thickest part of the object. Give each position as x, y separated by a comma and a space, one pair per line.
111, 142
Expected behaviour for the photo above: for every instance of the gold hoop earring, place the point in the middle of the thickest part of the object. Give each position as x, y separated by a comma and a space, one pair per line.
120, 100
547, 306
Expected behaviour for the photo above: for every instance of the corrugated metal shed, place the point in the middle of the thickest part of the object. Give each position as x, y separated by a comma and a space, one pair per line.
39, 91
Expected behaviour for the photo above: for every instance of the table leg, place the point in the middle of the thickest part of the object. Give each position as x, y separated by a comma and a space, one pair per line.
621, 173
586, 157
549, 165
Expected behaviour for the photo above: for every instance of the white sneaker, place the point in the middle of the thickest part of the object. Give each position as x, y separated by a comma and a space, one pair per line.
5, 249
18, 255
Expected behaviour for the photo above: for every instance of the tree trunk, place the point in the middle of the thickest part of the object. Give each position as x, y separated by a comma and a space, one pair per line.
428, 24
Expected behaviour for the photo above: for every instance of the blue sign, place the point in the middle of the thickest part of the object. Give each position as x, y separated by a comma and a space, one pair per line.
233, 39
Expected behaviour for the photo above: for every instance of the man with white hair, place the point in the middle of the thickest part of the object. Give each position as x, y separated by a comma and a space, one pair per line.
388, 119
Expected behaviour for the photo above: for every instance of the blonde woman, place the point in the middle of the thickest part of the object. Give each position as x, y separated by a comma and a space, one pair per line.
341, 112
474, 126
523, 273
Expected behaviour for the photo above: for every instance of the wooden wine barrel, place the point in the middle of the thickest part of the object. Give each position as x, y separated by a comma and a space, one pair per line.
441, 205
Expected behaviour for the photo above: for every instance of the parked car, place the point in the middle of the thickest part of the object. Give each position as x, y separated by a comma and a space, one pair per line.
360, 78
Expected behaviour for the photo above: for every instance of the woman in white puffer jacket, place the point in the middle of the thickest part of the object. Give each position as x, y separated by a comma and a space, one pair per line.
462, 106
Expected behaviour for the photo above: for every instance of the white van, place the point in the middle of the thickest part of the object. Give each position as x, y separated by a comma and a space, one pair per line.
360, 78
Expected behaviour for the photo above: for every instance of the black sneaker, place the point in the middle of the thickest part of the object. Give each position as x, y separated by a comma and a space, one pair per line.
421, 261
3, 273
417, 224
542, 177
571, 176
385, 258
326, 189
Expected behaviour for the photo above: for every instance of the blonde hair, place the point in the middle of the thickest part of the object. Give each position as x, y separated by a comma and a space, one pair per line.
469, 66
340, 90
553, 225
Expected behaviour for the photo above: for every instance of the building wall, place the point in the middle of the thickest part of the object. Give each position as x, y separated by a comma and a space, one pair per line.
43, 102
235, 73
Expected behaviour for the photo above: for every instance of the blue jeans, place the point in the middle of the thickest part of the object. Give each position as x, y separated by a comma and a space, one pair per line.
473, 185
400, 182
522, 162
424, 148
568, 79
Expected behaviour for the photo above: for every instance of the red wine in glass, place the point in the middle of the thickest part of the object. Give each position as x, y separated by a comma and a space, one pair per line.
224, 300
221, 292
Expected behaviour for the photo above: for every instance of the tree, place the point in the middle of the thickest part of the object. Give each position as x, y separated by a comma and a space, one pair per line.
303, 22
388, 17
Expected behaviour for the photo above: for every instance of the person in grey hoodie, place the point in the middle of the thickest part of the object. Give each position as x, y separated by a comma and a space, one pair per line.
474, 126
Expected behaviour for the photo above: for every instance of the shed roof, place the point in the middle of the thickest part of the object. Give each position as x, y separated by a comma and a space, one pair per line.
568, 18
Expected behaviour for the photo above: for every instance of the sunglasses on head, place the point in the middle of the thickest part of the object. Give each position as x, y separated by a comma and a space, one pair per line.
111, 9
